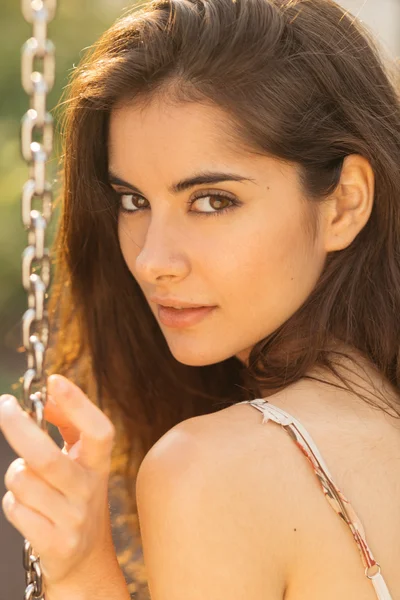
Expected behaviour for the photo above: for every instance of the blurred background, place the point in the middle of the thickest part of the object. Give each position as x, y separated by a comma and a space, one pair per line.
77, 25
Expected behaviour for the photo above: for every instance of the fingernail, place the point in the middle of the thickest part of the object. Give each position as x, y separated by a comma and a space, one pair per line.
59, 384
6, 398
8, 402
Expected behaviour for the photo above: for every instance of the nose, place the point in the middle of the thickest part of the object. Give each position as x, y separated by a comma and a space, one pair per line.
162, 255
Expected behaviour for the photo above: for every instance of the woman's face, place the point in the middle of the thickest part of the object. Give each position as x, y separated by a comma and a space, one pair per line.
240, 245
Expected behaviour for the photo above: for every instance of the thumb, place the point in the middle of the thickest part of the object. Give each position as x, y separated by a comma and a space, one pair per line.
53, 414
74, 451
83, 421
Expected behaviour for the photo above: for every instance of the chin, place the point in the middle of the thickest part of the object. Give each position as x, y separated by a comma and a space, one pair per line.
194, 356
194, 360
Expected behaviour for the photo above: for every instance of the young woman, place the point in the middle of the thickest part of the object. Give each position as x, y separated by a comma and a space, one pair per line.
229, 245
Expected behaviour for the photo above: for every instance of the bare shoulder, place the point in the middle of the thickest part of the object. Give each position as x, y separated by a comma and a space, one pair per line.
249, 481
221, 480
228, 478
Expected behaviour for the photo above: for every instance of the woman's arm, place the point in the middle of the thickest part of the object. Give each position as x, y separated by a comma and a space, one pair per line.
105, 581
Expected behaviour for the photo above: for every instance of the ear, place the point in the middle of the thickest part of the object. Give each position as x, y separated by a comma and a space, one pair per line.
350, 206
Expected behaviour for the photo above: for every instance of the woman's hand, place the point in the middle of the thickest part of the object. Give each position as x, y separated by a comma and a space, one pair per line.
58, 499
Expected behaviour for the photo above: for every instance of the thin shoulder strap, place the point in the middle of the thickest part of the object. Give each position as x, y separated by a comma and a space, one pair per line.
335, 497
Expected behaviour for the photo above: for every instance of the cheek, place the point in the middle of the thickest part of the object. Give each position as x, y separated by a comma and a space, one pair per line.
269, 267
129, 242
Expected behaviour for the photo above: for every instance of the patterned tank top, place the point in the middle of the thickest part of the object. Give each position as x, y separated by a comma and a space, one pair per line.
335, 497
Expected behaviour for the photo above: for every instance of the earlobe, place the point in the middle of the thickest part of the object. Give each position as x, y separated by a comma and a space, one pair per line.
350, 207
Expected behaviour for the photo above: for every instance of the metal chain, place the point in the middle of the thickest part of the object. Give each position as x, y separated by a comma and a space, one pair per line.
35, 258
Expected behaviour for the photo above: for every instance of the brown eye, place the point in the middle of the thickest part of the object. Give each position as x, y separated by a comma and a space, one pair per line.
213, 203
132, 202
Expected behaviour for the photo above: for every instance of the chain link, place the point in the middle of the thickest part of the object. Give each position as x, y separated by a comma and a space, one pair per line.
36, 267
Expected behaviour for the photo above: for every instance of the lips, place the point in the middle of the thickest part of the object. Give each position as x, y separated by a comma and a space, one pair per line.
176, 303
185, 317
182, 307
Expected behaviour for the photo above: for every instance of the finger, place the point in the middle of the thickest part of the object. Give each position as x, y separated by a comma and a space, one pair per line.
31, 525
97, 431
53, 414
39, 451
33, 492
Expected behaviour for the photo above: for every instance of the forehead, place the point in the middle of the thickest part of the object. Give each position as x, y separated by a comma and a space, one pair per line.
175, 140
162, 129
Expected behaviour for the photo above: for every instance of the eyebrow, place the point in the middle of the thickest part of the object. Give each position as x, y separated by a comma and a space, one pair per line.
184, 184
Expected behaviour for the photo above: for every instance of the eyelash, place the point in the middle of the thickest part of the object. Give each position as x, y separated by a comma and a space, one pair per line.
200, 195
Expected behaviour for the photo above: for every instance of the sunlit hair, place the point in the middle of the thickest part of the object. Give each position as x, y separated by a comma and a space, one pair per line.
299, 80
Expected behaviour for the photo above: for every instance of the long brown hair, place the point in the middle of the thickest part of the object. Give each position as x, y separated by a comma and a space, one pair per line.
302, 81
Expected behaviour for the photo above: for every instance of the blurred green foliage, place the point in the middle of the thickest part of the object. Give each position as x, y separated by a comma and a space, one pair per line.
78, 23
